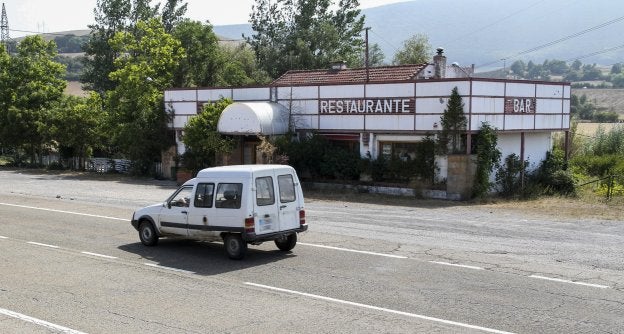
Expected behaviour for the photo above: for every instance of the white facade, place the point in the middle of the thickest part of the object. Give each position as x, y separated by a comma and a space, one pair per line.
525, 113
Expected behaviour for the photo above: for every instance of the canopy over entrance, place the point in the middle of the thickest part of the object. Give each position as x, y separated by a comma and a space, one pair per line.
254, 118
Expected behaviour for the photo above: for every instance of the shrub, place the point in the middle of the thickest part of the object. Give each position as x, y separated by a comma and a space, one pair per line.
508, 176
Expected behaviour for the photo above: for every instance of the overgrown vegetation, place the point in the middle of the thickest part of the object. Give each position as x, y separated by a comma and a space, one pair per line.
315, 157
202, 140
488, 158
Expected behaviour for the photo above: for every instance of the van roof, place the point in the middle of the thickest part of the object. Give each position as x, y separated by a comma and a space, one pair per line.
239, 169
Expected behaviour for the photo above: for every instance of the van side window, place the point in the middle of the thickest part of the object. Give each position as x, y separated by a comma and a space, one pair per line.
203, 195
229, 195
286, 188
264, 191
182, 198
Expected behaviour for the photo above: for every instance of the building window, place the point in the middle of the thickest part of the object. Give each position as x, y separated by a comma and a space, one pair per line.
399, 150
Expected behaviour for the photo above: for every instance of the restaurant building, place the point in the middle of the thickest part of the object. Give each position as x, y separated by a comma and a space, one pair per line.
383, 110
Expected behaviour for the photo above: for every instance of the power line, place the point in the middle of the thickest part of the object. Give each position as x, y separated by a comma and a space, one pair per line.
496, 22
39, 32
602, 25
596, 53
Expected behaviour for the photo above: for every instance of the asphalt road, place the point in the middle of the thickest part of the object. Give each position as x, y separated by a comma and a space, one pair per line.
71, 263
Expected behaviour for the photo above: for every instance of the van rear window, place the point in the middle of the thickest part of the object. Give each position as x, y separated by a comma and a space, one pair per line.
229, 195
264, 191
286, 188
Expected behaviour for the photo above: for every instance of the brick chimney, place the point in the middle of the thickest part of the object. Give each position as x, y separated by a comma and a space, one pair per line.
338, 65
439, 63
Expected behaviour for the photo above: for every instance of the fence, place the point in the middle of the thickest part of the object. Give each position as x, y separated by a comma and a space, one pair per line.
106, 165
610, 184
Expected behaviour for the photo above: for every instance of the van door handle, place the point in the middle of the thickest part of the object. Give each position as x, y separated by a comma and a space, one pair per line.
283, 206
184, 212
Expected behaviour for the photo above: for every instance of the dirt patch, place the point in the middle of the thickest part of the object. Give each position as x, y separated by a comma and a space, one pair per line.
548, 207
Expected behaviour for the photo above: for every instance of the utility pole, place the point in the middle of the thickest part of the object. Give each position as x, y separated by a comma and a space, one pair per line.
366, 56
4, 29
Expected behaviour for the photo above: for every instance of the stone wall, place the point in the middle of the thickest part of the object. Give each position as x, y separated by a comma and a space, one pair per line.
460, 176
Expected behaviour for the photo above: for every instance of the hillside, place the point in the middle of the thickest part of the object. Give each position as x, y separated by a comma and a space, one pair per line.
491, 34
483, 32
609, 99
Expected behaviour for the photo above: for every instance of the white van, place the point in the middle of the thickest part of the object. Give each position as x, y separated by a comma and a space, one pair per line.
241, 205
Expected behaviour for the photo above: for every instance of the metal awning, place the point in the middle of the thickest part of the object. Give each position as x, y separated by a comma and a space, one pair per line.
254, 118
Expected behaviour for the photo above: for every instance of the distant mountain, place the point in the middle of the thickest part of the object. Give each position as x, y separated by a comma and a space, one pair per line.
484, 32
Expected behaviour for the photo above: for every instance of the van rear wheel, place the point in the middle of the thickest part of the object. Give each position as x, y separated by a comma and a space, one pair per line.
286, 243
235, 247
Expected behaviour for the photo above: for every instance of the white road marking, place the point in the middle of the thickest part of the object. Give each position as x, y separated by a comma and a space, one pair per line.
456, 265
353, 250
169, 268
376, 308
3, 237
100, 255
63, 211
570, 282
39, 322
40, 244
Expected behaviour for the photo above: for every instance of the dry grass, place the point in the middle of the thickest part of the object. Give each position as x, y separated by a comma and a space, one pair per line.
585, 206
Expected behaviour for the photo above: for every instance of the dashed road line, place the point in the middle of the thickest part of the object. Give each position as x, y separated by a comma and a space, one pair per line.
39, 322
377, 308
40, 244
301, 243
570, 282
353, 250
63, 211
456, 265
169, 268
99, 255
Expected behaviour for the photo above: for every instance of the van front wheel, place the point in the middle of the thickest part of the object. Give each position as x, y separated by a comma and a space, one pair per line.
147, 234
235, 247
286, 243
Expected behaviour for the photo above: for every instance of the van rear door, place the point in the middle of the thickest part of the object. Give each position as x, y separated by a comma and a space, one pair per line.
267, 217
288, 201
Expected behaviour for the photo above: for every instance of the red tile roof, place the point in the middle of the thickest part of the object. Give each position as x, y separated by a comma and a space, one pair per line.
349, 75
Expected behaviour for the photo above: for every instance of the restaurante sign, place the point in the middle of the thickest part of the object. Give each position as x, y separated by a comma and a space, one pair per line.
367, 106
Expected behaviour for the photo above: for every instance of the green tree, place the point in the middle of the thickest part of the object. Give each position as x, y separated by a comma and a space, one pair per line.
305, 34
557, 67
616, 68
201, 138
240, 67
76, 125
581, 107
453, 123
34, 84
416, 50
518, 68
138, 120
376, 57
6, 93
111, 17
203, 60
172, 14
